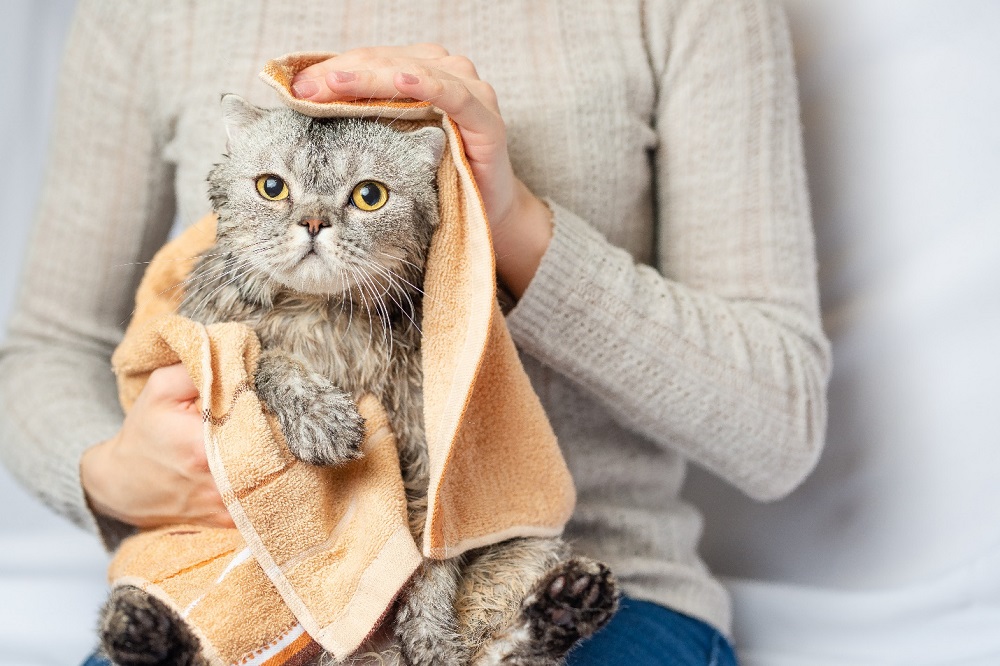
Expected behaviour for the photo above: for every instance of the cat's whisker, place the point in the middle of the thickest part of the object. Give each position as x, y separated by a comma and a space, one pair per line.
364, 301
204, 277
389, 101
392, 284
350, 300
410, 284
342, 277
207, 278
238, 273
195, 277
401, 260
431, 99
161, 259
380, 309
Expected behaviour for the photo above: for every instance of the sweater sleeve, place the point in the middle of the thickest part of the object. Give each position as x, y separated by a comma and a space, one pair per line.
106, 205
719, 353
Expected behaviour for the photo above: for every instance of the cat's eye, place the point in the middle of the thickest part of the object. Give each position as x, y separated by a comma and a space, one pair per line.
369, 195
272, 187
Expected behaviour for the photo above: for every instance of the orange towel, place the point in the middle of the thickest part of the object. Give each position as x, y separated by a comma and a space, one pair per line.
320, 554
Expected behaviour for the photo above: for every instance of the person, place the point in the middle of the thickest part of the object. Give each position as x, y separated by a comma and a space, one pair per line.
641, 166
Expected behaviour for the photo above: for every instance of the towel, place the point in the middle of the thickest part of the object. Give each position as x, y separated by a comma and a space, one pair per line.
320, 554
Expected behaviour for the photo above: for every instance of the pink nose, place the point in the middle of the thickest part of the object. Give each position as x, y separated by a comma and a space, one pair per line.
314, 224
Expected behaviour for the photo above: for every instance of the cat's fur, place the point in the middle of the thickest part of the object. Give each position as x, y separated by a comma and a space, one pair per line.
333, 292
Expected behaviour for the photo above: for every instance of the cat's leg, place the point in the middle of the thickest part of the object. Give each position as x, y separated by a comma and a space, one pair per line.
137, 629
426, 626
524, 603
495, 581
320, 421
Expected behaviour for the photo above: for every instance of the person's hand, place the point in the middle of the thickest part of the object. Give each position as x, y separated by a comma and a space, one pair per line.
520, 222
154, 471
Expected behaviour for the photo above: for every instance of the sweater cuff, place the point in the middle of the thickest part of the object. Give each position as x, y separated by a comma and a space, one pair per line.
552, 305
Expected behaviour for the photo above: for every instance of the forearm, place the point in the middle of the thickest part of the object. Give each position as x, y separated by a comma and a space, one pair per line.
718, 353
734, 384
55, 404
105, 207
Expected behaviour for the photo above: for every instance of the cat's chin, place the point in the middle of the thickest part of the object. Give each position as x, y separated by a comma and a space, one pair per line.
310, 278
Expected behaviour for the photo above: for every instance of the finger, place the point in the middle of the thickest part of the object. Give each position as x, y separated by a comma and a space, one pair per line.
172, 383
219, 518
362, 84
459, 99
371, 80
196, 462
460, 66
362, 58
213, 510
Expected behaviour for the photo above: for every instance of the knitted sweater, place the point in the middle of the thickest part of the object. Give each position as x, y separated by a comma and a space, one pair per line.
673, 318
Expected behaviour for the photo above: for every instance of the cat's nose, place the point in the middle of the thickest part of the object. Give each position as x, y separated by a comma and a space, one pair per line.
314, 225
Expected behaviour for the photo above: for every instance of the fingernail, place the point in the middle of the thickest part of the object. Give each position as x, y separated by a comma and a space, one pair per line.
344, 77
409, 78
305, 88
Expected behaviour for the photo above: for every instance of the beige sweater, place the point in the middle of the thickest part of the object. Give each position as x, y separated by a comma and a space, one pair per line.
673, 318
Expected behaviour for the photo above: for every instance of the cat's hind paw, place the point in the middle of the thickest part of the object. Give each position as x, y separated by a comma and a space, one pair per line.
574, 600
137, 629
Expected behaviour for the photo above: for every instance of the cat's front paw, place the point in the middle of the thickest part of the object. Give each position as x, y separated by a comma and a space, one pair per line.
320, 422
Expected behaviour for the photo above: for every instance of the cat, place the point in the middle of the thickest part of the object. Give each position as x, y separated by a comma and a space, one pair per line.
323, 231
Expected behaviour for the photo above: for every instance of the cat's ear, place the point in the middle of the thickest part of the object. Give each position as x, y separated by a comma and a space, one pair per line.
431, 138
237, 115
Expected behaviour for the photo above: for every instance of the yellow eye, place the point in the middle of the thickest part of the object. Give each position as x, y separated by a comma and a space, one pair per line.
272, 188
369, 195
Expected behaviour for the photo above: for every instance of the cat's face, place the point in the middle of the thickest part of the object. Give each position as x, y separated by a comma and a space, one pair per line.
323, 206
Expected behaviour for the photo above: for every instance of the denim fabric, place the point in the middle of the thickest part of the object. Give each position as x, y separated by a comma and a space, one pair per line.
645, 634
641, 634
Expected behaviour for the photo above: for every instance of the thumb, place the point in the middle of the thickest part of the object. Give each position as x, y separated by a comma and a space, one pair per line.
172, 383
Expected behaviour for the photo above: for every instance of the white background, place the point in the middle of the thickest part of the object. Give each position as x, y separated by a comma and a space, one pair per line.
890, 553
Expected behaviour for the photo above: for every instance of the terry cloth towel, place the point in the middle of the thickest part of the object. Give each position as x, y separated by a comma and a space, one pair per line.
319, 554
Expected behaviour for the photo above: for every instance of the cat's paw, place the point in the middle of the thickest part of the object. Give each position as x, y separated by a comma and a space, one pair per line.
320, 422
324, 429
574, 600
137, 629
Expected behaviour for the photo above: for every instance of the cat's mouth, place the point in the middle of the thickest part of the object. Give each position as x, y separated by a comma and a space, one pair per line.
312, 252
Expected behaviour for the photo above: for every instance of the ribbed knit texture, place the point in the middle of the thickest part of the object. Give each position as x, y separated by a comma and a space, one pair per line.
674, 316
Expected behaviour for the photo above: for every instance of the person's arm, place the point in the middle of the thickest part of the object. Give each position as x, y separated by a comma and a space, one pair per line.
106, 206
720, 353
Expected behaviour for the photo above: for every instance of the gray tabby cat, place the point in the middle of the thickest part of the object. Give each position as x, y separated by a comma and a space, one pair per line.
324, 228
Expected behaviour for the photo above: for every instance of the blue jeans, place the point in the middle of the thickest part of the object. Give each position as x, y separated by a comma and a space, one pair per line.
640, 634
645, 634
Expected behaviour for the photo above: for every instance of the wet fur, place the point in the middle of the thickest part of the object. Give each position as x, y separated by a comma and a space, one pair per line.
520, 602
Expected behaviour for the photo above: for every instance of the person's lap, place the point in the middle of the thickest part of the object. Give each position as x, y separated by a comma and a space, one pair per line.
640, 634
643, 633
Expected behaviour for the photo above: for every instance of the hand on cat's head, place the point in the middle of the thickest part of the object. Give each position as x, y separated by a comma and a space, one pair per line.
521, 223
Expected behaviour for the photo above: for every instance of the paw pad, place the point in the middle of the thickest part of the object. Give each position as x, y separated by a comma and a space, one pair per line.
576, 599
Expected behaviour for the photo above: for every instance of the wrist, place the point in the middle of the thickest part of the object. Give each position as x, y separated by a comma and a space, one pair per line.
94, 465
521, 239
